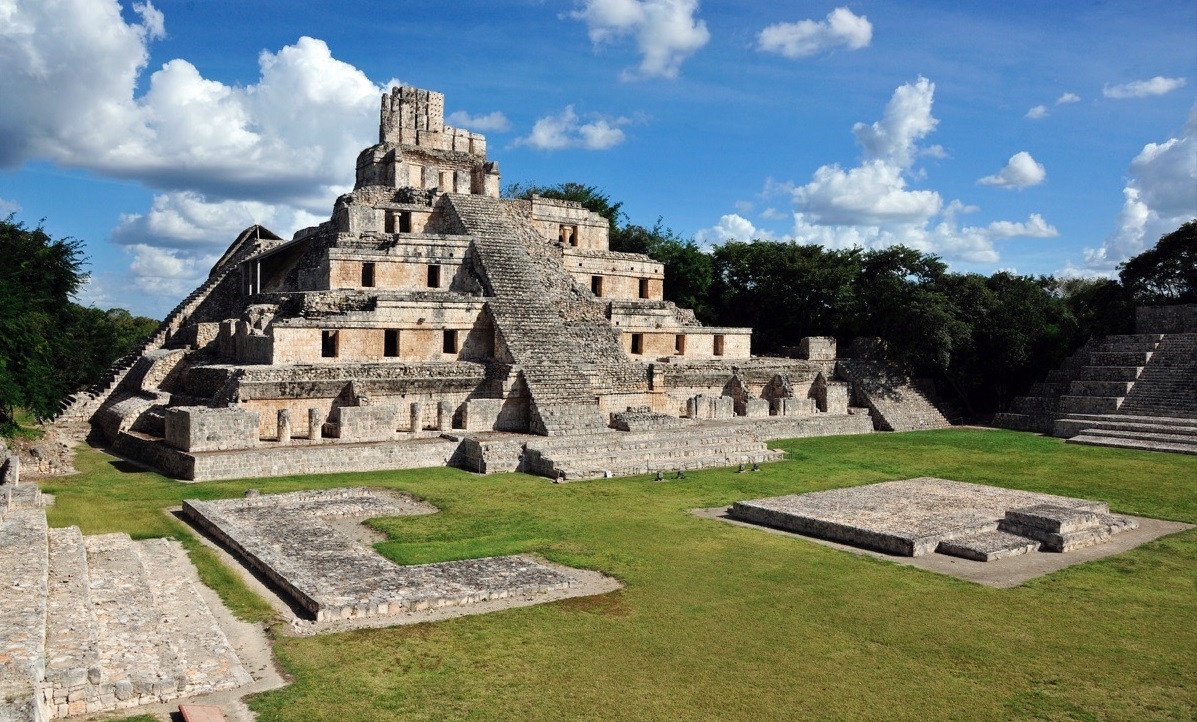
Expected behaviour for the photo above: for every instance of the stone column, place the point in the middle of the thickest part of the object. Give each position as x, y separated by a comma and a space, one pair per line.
315, 424
444, 416
417, 417
284, 426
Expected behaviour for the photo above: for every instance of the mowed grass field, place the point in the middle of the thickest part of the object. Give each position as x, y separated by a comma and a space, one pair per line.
721, 622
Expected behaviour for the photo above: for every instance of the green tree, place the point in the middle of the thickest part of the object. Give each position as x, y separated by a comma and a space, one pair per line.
36, 282
1166, 273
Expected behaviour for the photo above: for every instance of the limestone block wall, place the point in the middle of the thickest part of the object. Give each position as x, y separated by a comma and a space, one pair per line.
817, 348
622, 275
570, 223
414, 338
698, 343
393, 274
198, 428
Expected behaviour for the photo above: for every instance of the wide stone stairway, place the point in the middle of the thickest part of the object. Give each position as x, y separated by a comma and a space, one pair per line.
99, 623
528, 318
1133, 391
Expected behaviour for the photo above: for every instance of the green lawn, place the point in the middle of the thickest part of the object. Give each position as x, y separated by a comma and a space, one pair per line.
721, 622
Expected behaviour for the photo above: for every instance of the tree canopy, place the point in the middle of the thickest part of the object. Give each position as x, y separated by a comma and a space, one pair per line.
49, 345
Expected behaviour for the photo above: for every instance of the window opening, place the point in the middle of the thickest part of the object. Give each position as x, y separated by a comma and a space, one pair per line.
390, 343
596, 285
367, 275
328, 344
718, 344
450, 341
434, 276
643, 288
679, 344
637, 343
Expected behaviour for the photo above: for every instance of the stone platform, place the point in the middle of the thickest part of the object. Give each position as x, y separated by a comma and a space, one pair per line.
294, 540
919, 516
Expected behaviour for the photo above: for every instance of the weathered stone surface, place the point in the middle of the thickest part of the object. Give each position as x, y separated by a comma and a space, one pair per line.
916, 516
285, 537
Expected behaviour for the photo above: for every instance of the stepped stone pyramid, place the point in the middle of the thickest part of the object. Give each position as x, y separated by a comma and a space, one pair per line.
99, 623
430, 321
1134, 391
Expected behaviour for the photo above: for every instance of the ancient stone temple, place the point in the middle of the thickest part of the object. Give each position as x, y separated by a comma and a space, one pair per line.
430, 321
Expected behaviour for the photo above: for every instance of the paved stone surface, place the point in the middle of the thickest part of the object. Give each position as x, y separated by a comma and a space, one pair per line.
909, 517
331, 576
1001, 573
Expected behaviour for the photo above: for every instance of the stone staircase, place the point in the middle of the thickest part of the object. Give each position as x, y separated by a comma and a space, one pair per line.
81, 406
527, 316
1135, 391
594, 456
894, 401
99, 623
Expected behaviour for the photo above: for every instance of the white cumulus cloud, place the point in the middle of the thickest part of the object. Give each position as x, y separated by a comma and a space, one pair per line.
1068, 98
666, 31
1039, 111
491, 122
7, 207
731, 227
566, 130
1021, 171
873, 205
808, 37
1159, 85
1160, 196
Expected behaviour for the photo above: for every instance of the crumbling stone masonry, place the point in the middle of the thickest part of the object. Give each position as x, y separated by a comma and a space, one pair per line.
99, 623
428, 314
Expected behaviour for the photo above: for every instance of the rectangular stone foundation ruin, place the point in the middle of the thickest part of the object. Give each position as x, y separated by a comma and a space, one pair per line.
287, 538
920, 516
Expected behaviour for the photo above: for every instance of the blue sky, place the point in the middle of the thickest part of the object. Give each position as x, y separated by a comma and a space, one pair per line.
1054, 138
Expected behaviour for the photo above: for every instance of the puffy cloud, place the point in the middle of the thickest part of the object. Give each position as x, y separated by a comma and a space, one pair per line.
7, 207
1039, 111
187, 221
807, 37
566, 130
666, 31
731, 227
907, 119
167, 272
491, 122
1158, 199
871, 205
1159, 85
73, 70
1068, 98
1021, 171
873, 193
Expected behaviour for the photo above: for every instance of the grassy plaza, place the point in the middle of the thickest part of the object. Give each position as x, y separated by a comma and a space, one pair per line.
719, 622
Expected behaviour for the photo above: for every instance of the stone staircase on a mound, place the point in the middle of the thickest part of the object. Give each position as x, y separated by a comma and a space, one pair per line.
100, 623
1136, 391
1094, 380
527, 317
894, 401
594, 456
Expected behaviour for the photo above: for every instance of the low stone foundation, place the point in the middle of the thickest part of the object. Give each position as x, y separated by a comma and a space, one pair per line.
919, 516
286, 537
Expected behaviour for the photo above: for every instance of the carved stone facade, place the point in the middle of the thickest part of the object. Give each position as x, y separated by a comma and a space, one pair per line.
428, 310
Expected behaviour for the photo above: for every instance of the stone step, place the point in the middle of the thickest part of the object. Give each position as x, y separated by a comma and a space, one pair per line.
208, 661
1090, 404
1110, 373
23, 582
1133, 443
73, 670
650, 465
1120, 358
1076, 424
137, 661
987, 546
1085, 387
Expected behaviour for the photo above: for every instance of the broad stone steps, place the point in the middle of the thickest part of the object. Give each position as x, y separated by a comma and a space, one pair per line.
137, 660
208, 662
72, 655
1127, 441
23, 580
987, 546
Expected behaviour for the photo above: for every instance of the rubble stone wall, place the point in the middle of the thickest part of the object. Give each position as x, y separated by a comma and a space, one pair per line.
1166, 319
